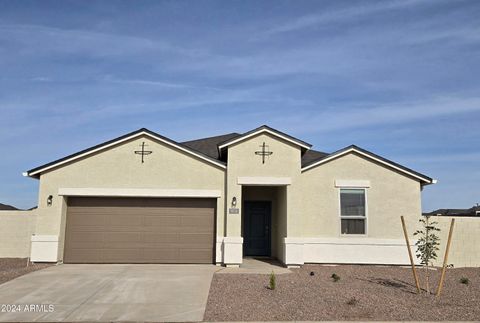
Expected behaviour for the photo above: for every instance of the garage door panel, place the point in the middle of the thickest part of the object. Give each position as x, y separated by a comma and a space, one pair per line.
78, 219
161, 238
197, 221
84, 256
129, 237
128, 219
83, 237
140, 230
196, 238
113, 255
163, 255
163, 221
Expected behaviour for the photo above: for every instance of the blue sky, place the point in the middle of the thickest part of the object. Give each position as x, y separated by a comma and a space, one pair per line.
399, 78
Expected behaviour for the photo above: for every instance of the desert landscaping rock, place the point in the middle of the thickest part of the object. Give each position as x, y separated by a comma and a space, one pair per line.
11, 268
362, 293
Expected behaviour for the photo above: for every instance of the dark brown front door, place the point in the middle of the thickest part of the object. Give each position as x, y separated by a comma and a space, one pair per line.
256, 228
139, 230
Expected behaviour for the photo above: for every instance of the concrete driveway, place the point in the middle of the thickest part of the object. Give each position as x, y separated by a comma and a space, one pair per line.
108, 293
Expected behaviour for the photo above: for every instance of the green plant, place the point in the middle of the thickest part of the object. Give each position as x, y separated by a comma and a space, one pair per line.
427, 245
352, 301
464, 280
335, 277
273, 281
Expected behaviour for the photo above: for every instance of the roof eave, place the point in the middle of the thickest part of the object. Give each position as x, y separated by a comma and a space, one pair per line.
305, 146
425, 180
36, 172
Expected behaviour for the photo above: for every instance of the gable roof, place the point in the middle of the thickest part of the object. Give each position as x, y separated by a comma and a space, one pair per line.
264, 129
352, 148
35, 172
210, 150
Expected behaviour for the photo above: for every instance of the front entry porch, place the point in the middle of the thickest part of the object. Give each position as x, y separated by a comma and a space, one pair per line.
263, 221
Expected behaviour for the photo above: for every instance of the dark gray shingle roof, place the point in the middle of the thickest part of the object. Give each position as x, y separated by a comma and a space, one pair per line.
312, 155
209, 146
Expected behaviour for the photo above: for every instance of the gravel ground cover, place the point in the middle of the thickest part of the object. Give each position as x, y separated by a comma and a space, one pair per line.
11, 268
362, 293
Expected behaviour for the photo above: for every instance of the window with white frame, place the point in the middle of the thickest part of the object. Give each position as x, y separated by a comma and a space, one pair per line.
352, 211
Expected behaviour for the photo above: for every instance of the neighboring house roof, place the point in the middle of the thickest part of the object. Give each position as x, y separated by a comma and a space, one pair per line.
473, 211
210, 150
6, 207
372, 156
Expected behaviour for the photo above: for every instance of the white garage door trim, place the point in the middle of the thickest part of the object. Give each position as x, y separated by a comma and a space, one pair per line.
138, 192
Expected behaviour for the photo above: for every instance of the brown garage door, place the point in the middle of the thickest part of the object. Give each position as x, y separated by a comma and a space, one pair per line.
139, 230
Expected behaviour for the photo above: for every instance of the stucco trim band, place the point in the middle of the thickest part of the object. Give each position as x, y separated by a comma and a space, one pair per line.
352, 183
138, 192
345, 250
272, 181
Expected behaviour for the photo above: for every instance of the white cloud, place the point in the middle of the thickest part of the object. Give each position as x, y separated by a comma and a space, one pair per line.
338, 118
340, 15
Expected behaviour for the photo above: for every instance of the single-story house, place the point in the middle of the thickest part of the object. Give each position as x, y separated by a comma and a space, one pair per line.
144, 198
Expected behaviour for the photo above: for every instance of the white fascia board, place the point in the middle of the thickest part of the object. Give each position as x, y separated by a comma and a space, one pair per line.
368, 156
271, 181
138, 192
259, 132
143, 133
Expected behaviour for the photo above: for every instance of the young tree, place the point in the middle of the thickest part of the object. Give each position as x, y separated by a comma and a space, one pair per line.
427, 245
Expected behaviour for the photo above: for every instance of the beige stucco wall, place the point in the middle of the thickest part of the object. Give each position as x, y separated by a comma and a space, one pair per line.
16, 229
242, 162
119, 167
465, 245
390, 195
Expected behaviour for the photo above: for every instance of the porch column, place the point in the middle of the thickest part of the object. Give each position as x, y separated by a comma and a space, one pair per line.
233, 241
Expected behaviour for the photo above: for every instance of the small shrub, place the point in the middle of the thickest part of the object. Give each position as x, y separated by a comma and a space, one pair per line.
335, 277
464, 280
273, 281
312, 273
352, 301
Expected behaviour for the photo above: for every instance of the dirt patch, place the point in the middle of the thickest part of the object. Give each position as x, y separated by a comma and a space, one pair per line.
11, 268
362, 293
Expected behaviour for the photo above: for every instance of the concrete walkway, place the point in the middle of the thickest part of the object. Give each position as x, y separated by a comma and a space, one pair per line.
173, 293
257, 265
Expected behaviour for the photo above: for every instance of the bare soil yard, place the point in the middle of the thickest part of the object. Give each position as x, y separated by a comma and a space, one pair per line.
362, 293
11, 268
